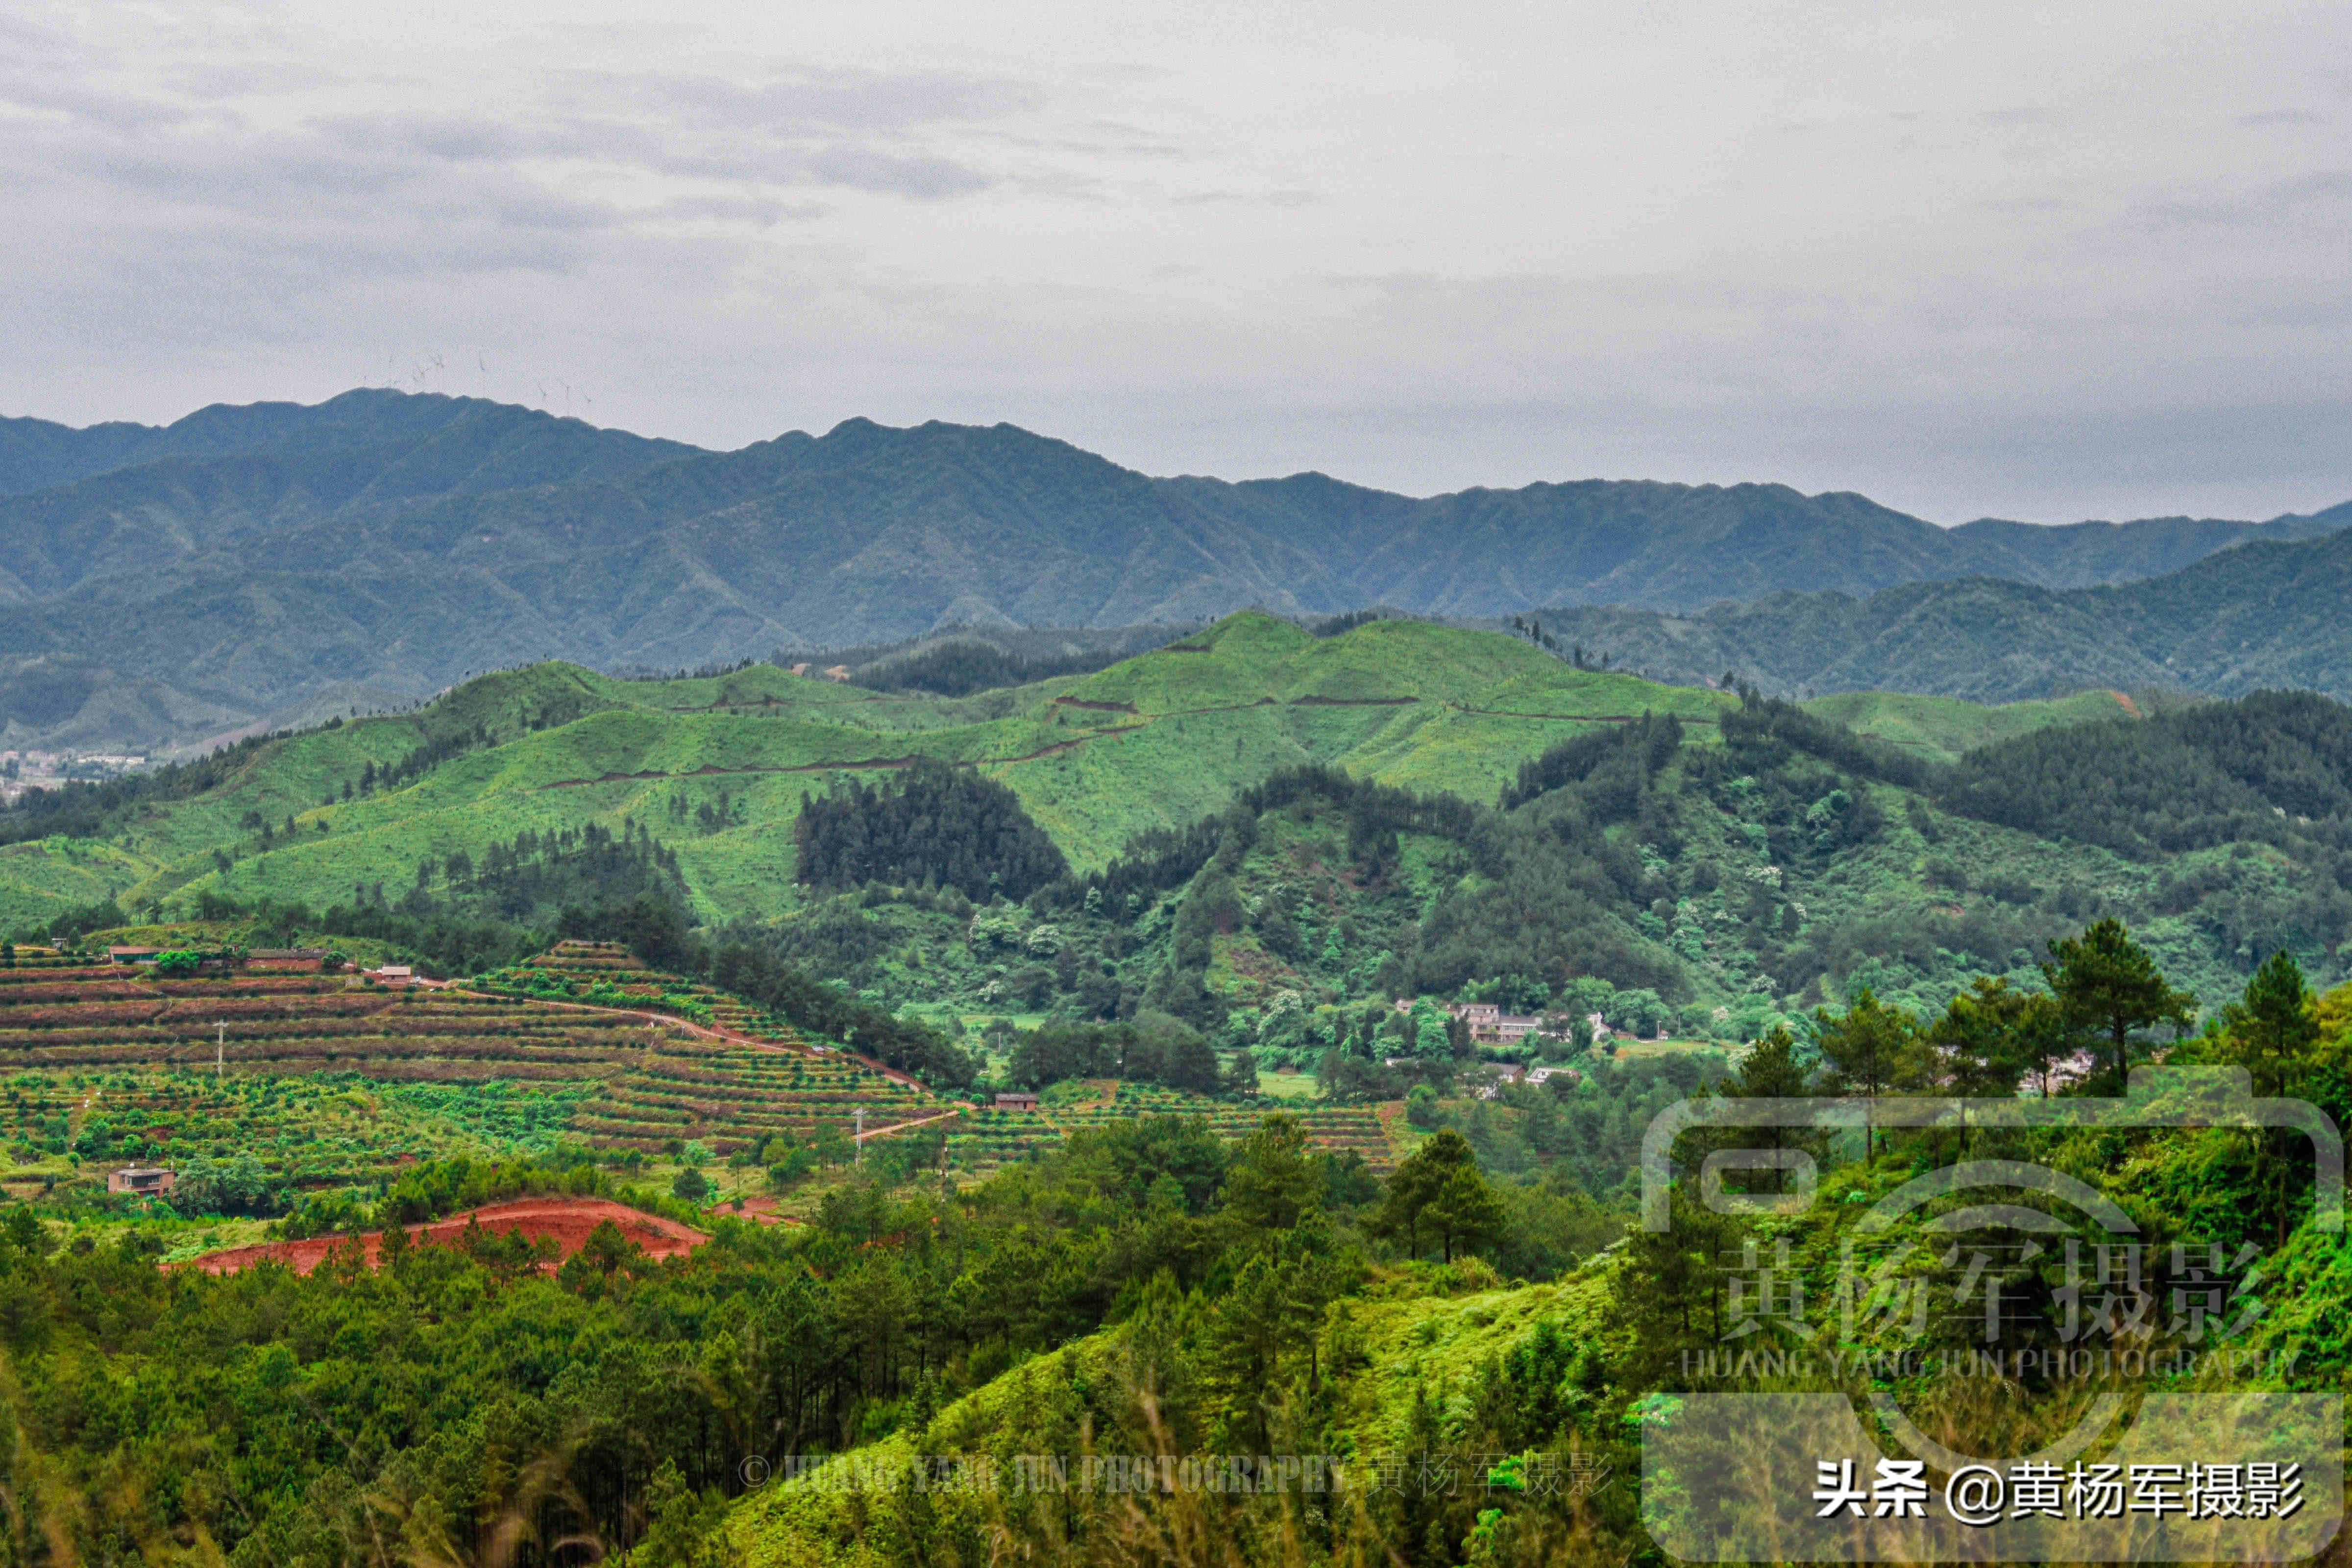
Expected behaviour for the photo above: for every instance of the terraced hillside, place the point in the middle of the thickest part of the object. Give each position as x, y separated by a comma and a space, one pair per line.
1330, 1127
324, 1081
605, 975
988, 1136
332, 1078
328, 1080
106, 1016
716, 768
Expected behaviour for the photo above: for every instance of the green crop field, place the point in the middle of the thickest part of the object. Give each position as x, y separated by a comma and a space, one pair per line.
1330, 1127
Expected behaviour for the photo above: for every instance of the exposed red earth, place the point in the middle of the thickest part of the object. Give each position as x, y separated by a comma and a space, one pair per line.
567, 1221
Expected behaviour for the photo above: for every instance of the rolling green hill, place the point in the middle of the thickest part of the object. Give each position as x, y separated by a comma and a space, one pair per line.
1728, 881
1153, 742
1941, 728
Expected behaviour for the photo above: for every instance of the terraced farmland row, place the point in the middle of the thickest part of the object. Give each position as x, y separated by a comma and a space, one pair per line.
1328, 1127
315, 1130
730, 1095
607, 975
330, 1079
979, 1141
103, 1016
984, 1139
250, 1062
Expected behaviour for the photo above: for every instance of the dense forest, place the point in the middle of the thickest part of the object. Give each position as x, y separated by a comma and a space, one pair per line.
934, 826
962, 666
1145, 1287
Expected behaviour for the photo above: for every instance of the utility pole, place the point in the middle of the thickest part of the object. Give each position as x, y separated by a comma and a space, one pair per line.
859, 1143
220, 1052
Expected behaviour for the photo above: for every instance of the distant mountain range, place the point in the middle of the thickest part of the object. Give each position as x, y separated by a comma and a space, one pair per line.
2265, 615
157, 584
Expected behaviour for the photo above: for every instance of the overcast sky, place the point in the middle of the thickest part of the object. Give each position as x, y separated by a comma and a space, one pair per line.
2030, 261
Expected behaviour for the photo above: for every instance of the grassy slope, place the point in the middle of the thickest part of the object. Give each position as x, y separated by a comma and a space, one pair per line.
1155, 742
1942, 728
1420, 706
1410, 1340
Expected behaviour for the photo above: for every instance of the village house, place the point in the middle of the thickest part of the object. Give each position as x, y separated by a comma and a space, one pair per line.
131, 954
1018, 1099
150, 1180
1490, 1026
1508, 1074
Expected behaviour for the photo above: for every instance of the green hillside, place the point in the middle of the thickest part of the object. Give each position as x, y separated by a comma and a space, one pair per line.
1942, 728
1729, 888
1410, 1333
1156, 741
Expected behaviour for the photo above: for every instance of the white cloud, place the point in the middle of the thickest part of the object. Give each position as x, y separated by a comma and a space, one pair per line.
1995, 260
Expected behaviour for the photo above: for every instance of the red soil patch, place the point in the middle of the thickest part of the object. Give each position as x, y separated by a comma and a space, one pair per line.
567, 1220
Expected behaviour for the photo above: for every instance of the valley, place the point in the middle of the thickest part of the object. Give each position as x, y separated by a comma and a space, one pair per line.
1087, 1064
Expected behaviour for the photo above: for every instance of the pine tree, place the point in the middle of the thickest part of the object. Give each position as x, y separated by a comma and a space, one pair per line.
1870, 1050
2110, 988
2272, 1032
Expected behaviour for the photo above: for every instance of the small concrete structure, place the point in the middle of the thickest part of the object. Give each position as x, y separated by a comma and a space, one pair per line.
395, 975
131, 954
1490, 1026
1019, 1100
149, 1181
1509, 1073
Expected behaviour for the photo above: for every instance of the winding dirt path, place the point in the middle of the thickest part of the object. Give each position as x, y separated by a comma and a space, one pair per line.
919, 1121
